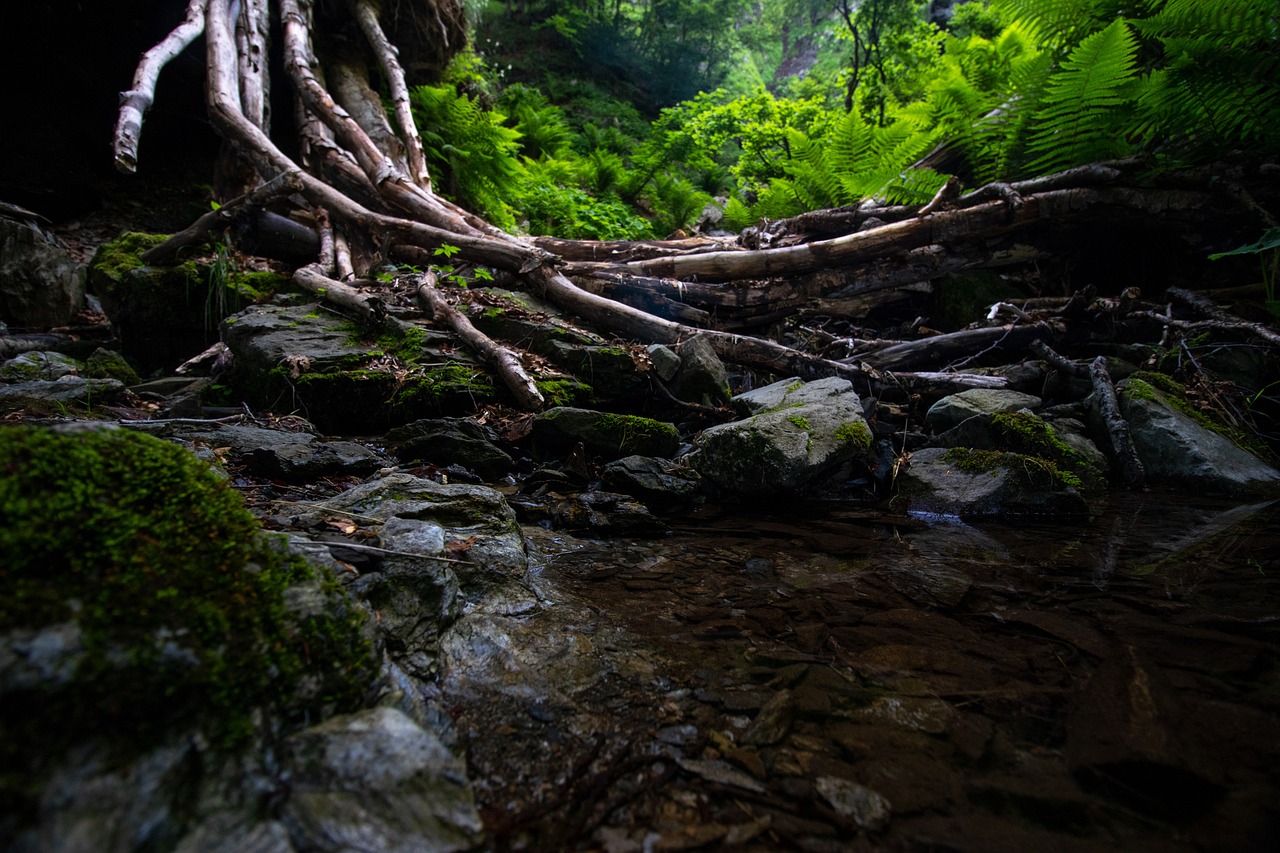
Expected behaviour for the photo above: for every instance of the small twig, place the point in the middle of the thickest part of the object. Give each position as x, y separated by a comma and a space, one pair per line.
333, 510
228, 419
381, 550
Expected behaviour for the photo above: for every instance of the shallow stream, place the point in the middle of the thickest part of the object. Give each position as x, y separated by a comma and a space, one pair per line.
833, 679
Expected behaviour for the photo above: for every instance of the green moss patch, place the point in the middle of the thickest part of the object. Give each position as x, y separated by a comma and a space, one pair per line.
856, 432
1160, 388
1037, 472
180, 600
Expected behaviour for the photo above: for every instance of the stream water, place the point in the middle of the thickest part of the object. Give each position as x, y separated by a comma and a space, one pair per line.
833, 679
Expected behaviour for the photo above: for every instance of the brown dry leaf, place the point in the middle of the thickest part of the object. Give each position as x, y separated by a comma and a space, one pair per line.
459, 546
346, 526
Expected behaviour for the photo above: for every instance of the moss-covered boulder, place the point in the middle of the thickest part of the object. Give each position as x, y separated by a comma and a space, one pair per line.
141, 598
967, 483
1030, 435
1182, 447
797, 436
558, 431
346, 380
165, 315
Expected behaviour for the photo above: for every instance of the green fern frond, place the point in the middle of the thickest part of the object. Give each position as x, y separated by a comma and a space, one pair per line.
1077, 121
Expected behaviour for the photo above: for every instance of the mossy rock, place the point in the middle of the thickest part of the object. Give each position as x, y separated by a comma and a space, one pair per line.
174, 610
345, 380
108, 364
559, 430
1028, 435
167, 314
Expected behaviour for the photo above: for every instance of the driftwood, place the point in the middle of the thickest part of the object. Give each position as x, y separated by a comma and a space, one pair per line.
505, 362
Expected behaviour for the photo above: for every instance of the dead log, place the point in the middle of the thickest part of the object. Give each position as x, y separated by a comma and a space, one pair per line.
365, 308
505, 362
1218, 318
967, 344
985, 221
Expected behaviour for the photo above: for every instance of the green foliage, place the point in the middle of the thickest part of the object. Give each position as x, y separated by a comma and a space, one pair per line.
1081, 118
1267, 248
471, 153
180, 600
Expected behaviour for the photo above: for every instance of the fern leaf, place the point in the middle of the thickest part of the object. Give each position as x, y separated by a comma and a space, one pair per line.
1077, 120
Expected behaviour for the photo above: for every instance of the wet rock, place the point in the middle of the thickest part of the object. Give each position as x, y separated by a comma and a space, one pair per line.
797, 435
610, 514
448, 441
857, 802
1129, 734
931, 716
934, 585
721, 773
955, 483
951, 410
415, 599
55, 395
1177, 451
660, 483
232, 836
297, 457
665, 362
476, 519
559, 430
377, 781
41, 285
702, 374
46, 366
773, 722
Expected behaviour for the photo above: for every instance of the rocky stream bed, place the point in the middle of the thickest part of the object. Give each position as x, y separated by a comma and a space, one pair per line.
749, 612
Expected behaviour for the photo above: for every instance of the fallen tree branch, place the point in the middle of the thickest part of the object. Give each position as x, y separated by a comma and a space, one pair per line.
215, 221
1117, 428
365, 308
942, 349
505, 362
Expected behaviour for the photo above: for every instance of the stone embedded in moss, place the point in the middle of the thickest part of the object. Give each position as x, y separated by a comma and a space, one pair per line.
181, 601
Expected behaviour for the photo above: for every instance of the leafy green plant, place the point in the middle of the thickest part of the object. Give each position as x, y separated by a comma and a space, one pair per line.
1081, 118
471, 153
1267, 248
